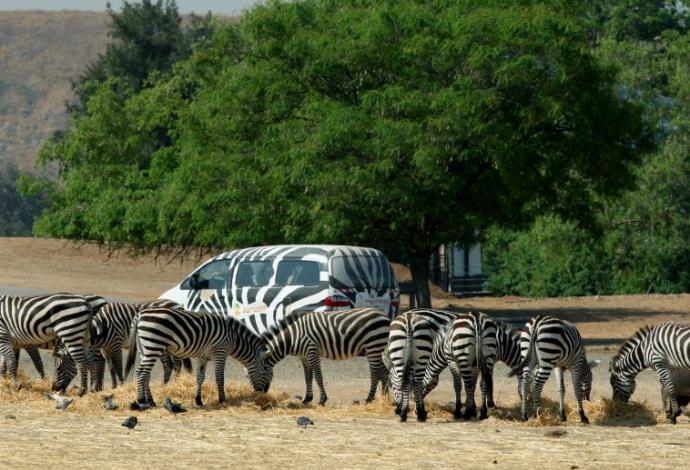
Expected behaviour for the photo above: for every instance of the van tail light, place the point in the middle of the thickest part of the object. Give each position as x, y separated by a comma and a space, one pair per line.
337, 302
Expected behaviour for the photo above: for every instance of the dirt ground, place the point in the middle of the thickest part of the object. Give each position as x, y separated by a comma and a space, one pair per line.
259, 431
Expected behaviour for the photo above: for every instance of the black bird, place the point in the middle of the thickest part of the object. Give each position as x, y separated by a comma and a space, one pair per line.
130, 422
304, 422
173, 407
109, 404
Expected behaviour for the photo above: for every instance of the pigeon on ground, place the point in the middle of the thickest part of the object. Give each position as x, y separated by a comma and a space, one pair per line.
173, 407
63, 403
108, 403
53, 396
130, 422
304, 422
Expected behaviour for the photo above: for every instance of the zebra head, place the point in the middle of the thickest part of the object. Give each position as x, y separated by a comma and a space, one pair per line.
622, 384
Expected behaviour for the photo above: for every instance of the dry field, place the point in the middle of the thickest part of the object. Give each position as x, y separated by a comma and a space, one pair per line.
255, 430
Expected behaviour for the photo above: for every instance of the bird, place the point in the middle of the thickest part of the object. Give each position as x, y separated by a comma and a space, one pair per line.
173, 407
130, 422
108, 403
53, 396
304, 422
63, 403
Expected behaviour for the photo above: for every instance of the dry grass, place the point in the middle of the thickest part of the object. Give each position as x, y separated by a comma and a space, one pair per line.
242, 400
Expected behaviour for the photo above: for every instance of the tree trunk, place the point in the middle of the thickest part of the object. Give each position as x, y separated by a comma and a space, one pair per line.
419, 267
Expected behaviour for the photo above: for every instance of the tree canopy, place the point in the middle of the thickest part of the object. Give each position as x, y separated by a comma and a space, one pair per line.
398, 124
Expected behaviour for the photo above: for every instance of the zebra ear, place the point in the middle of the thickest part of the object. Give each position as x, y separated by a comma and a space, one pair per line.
593, 364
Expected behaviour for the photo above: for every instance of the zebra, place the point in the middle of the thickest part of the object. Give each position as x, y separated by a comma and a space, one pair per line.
333, 335
549, 343
41, 319
205, 336
664, 348
473, 342
410, 344
113, 324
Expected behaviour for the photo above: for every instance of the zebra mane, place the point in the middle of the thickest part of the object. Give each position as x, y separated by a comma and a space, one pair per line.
629, 345
242, 330
283, 323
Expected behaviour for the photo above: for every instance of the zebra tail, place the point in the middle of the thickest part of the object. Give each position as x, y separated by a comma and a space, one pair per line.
479, 350
528, 357
187, 364
132, 354
407, 354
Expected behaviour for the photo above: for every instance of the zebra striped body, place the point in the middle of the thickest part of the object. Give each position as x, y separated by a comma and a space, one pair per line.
666, 349
111, 327
26, 321
332, 335
549, 343
473, 342
410, 344
204, 336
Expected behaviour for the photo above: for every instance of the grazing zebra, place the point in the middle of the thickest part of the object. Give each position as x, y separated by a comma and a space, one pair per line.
550, 343
204, 336
473, 342
111, 328
410, 344
333, 335
41, 319
666, 349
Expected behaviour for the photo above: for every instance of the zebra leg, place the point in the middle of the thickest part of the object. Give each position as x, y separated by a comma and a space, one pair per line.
540, 378
168, 366
457, 386
308, 380
420, 410
78, 354
116, 362
376, 373
8, 353
408, 377
668, 390
470, 381
96, 369
200, 376
560, 389
219, 365
35, 356
525, 385
146, 363
176, 365
315, 364
576, 373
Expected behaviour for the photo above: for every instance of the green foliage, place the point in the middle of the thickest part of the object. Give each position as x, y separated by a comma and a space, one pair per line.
399, 124
553, 258
144, 37
17, 211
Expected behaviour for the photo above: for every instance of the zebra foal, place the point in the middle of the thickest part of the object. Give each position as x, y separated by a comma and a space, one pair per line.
664, 348
204, 336
336, 335
548, 343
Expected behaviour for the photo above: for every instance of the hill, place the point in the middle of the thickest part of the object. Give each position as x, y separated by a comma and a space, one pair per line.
40, 53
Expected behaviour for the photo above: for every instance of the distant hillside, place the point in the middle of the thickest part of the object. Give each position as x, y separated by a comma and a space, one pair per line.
40, 52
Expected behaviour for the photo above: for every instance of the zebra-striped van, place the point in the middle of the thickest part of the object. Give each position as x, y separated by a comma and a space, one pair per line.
261, 285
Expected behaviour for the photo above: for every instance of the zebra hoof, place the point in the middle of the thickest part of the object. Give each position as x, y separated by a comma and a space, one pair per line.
307, 400
457, 415
469, 413
583, 420
563, 419
483, 414
403, 417
421, 416
525, 417
81, 392
322, 402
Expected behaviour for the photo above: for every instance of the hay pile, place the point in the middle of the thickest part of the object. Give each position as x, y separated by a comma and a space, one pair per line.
241, 399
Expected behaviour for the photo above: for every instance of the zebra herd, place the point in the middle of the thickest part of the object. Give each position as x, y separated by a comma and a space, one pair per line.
408, 353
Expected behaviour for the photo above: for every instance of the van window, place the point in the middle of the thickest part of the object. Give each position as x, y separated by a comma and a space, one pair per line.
297, 273
361, 272
214, 275
253, 273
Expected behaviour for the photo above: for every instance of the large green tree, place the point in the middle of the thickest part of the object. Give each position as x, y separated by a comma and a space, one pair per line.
399, 124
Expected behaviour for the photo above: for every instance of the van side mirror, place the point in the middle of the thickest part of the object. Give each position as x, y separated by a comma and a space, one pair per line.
194, 281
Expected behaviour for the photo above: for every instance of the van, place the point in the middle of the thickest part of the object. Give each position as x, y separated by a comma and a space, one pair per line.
261, 285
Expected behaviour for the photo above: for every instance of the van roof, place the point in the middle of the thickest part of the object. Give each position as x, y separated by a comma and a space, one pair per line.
298, 251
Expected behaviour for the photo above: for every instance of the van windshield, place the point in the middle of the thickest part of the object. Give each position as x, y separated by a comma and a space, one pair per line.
361, 272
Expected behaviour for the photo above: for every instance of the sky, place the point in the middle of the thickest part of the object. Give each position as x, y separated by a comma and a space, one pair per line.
228, 7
